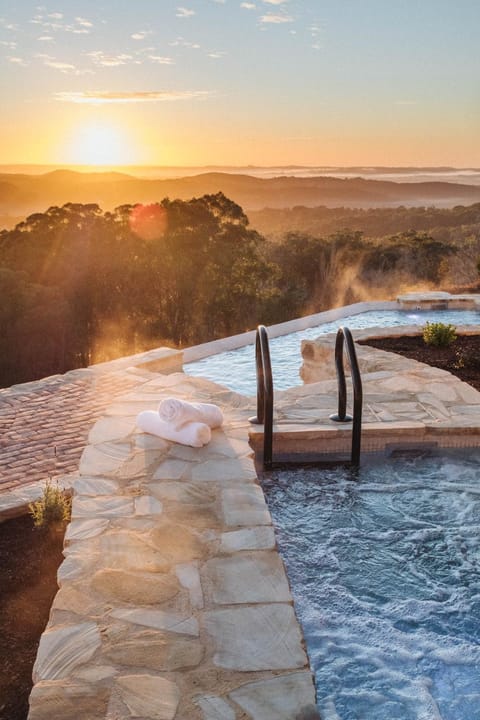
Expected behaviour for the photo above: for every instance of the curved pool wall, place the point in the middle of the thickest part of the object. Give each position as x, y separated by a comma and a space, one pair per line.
235, 366
385, 572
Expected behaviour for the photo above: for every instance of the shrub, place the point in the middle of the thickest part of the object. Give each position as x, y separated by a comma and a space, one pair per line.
52, 508
439, 334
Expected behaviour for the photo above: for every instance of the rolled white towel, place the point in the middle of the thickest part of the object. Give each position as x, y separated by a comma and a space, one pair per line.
178, 412
194, 434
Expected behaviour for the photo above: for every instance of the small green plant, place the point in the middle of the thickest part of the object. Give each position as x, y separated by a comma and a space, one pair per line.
439, 334
459, 360
53, 508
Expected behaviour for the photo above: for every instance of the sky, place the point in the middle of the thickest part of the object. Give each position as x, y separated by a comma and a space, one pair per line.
232, 82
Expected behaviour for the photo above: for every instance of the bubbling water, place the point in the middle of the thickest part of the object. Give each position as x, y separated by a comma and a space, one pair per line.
385, 574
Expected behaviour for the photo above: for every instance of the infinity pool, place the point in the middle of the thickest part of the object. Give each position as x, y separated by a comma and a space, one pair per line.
385, 574
236, 369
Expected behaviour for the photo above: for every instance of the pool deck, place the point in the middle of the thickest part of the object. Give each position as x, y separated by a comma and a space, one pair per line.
173, 601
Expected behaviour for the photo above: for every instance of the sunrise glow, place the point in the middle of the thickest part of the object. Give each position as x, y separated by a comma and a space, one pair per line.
100, 144
272, 82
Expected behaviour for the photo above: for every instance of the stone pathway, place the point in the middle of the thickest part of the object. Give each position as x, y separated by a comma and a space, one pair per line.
173, 601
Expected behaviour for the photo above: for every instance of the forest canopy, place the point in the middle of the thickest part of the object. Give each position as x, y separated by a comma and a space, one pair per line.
80, 285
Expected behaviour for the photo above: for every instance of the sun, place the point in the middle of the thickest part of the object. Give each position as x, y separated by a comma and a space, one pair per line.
100, 143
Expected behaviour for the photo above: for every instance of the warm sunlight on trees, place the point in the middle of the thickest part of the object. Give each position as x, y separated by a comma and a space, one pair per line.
80, 285
83, 270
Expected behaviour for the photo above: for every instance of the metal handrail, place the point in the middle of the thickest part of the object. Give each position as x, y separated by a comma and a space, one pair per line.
264, 393
344, 333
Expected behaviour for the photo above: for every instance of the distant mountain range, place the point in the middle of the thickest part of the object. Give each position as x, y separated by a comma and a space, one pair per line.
22, 194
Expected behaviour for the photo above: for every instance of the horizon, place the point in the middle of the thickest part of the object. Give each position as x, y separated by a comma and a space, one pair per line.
226, 83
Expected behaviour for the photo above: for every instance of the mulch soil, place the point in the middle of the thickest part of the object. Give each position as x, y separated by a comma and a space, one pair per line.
461, 358
29, 559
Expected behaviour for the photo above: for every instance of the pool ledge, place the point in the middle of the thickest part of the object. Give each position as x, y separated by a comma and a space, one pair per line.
405, 402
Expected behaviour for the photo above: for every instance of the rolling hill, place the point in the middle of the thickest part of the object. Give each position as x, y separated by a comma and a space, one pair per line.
22, 194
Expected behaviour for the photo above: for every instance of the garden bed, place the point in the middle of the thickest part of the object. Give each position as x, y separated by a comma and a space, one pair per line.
29, 559
461, 358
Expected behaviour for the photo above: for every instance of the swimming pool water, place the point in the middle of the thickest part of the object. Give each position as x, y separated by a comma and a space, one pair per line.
236, 369
385, 574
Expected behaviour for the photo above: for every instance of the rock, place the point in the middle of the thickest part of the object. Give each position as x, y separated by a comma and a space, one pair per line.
95, 486
60, 700
222, 470
159, 620
83, 529
261, 637
62, 650
147, 505
279, 698
171, 470
106, 458
129, 551
177, 544
184, 492
215, 708
245, 506
149, 696
243, 579
254, 538
151, 650
189, 578
134, 587
102, 506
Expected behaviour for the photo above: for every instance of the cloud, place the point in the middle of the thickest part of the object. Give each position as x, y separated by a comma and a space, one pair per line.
101, 59
62, 66
83, 22
55, 22
161, 60
8, 25
141, 34
17, 61
275, 19
184, 12
181, 42
77, 29
45, 38
98, 97
248, 5
216, 54
275, 2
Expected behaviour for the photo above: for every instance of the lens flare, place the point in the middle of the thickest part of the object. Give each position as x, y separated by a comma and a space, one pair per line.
149, 222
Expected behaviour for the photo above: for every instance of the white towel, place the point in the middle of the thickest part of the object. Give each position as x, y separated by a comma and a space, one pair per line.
194, 434
178, 412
